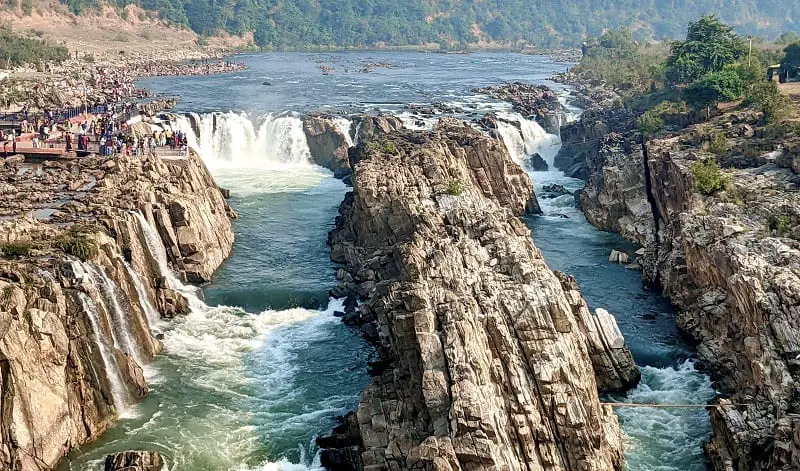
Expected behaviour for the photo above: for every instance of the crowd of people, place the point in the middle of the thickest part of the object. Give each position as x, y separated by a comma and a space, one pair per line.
109, 132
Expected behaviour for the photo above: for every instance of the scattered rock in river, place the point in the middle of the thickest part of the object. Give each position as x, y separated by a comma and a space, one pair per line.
134, 461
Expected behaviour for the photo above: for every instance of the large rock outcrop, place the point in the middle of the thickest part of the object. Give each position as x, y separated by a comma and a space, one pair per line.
730, 262
485, 357
85, 247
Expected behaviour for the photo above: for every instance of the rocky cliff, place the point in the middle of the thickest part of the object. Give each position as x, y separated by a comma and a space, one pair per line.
729, 259
87, 247
485, 354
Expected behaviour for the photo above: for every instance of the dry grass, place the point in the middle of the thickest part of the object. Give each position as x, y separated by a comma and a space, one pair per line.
105, 34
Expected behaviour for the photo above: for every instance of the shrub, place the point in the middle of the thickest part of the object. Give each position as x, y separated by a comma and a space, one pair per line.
27, 7
718, 144
78, 245
767, 98
780, 224
89, 58
453, 188
708, 177
16, 249
650, 123
387, 147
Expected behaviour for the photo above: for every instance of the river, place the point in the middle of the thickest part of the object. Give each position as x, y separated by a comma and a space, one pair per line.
261, 365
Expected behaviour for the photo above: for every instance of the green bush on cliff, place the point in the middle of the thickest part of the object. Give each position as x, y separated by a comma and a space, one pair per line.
767, 98
78, 245
718, 144
708, 177
453, 188
781, 225
386, 147
16, 249
650, 123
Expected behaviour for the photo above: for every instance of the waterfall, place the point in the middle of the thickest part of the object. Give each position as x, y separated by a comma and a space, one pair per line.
119, 393
234, 140
526, 138
156, 248
153, 318
120, 327
344, 126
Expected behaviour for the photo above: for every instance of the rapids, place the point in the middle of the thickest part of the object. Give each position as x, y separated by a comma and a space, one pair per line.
261, 365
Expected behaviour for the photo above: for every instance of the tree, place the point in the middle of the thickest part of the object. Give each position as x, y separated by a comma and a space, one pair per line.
714, 88
262, 36
710, 45
791, 58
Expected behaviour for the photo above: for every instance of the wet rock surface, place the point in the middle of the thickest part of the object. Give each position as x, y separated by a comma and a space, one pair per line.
487, 359
134, 461
533, 101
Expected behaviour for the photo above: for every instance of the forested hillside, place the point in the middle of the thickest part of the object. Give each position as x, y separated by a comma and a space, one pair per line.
282, 23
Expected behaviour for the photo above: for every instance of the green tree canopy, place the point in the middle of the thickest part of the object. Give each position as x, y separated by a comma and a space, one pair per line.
715, 87
710, 45
791, 58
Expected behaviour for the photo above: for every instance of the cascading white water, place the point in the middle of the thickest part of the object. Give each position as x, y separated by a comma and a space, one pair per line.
344, 126
120, 326
119, 392
156, 248
153, 319
526, 138
234, 140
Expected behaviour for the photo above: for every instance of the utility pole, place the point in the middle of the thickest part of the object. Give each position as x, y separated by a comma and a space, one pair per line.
750, 51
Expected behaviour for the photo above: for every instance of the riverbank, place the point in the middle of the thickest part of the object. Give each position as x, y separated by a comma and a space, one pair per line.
725, 256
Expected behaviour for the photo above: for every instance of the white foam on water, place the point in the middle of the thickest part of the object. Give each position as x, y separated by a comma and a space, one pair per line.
526, 138
655, 436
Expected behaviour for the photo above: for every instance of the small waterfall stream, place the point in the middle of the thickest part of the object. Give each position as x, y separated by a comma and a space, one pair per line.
153, 318
663, 439
120, 325
119, 392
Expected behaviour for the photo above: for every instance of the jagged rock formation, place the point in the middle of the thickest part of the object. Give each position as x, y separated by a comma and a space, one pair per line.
329, 146
731, 264
531, 101
81, 282
134, 461
485, 355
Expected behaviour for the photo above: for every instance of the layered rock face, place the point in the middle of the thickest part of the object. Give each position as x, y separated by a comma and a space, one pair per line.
604, 148
485, 354
82, 279
731, 263
329, 144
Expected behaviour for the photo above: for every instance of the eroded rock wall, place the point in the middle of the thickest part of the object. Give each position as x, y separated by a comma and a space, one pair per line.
484, 352
81, 284
730, 262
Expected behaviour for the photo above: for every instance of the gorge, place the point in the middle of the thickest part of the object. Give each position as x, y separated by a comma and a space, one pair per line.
258, 365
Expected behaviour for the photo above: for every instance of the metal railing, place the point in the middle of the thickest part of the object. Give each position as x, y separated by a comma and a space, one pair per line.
62, 115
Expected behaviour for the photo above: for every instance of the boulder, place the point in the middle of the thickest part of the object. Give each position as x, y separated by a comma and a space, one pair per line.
134, 461
327, 144
617, 256
537, 164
